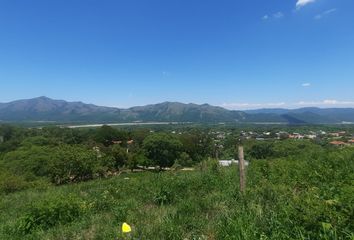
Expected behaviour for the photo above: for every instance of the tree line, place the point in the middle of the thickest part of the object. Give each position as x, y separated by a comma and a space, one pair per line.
63, 155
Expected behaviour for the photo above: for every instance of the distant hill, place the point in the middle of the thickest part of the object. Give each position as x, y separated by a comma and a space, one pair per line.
180, 112
46, 109
311, 114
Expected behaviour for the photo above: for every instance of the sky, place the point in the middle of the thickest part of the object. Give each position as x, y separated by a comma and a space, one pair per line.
239, 54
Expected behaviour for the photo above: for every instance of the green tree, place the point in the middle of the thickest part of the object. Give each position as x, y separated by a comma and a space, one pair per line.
28, 161
120, 156
185, 160
162, 149
197, 144
106, 135
137, 159
262, 150
72, 163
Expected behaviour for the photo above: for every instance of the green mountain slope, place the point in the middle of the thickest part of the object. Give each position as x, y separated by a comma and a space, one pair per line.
46, 109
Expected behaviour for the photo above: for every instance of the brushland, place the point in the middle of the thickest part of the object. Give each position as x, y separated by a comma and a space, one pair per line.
295, 190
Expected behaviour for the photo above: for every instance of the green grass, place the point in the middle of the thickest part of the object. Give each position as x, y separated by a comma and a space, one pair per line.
307, 198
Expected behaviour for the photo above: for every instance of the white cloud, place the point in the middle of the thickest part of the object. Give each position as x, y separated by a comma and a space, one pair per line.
327, 103
302, 3
306, 84
244, 106
276, 15
323, 14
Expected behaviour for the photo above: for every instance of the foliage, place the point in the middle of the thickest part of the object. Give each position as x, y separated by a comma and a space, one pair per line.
49, 213
307, 196
119, 155
296, 189
10, 183
28, 161
72, 163
262, 151
185, 160
162, 149
106, 135
197, 144
138, 159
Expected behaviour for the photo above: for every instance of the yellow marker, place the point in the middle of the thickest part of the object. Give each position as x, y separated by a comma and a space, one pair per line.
126, 228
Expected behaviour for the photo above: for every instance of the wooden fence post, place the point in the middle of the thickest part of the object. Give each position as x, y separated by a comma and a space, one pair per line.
241, 164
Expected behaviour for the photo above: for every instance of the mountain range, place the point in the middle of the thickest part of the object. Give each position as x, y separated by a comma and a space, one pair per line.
46, 109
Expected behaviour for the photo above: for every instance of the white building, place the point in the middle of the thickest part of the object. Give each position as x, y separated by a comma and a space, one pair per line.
226, 163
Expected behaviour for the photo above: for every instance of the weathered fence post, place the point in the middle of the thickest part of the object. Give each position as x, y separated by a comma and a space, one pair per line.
241, 164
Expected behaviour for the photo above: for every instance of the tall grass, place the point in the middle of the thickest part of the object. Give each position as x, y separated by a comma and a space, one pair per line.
310, 197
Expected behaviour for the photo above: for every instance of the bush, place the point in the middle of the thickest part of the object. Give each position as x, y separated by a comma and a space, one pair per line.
119, 155
10, 183
262, 150
49, 213
162, 149
73, 163
163, 196
185, 160
28, 161
210, 165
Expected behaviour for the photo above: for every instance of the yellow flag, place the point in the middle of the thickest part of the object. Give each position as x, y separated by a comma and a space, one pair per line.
126, 228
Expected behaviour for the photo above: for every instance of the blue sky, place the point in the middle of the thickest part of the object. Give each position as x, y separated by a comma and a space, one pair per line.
239, 54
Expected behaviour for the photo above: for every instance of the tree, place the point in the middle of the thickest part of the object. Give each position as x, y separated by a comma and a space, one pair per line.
28, 161
262, 150
185, 160
106, 135
162, 149
137, 159
120, 156
197, 144
72, 163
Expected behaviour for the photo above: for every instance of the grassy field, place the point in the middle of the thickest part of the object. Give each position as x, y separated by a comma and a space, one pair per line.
306, 198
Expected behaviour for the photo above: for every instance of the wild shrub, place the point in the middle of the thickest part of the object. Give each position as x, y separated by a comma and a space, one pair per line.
171, 187
120, 211
210, 166
28, 161
72, 163
49, 213
11, 183
163, 196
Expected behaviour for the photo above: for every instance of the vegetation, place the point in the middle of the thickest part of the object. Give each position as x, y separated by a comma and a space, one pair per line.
296, 189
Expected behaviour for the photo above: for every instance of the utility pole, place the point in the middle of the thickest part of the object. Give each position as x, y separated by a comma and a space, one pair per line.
241, 164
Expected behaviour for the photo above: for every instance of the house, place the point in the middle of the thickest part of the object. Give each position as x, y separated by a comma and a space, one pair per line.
130, 142
321, 132
338, 134
116, 142
338, 143
227, 163
282, 135
311, 136
351, 141
296, 136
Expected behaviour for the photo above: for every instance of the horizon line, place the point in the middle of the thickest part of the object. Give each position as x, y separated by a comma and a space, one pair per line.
323, 104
